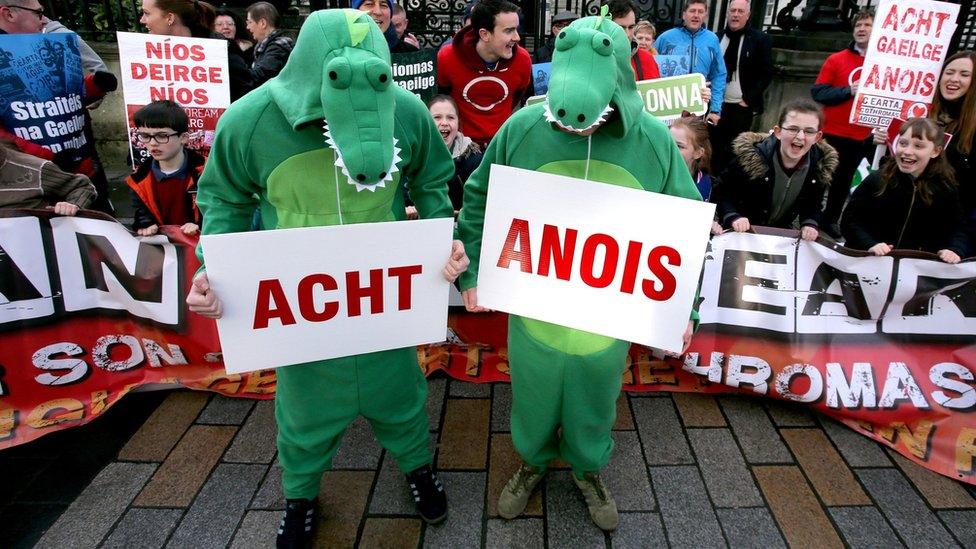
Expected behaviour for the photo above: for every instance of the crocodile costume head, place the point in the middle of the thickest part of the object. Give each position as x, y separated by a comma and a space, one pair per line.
339, 72
581, 95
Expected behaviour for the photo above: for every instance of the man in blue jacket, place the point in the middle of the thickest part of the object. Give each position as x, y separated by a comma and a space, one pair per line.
701, 47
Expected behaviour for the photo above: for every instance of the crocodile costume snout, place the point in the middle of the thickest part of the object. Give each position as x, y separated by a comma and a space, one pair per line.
273, 145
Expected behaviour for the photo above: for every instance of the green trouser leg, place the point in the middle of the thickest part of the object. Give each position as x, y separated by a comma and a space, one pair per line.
315, 402
553, 389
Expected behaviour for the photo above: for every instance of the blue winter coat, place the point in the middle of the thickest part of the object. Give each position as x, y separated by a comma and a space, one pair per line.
703, 48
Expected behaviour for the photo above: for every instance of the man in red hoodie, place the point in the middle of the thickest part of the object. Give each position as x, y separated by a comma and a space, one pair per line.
485, 70
835, 89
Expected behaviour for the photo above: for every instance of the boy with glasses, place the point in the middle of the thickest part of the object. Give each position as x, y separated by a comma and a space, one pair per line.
779, 180
164, 186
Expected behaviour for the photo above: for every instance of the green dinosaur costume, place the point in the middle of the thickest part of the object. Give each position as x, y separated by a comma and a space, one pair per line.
271, 145
561, 377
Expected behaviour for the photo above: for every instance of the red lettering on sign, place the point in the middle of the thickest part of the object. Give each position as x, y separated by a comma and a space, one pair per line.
404, 280
668, 283
519, 230
268, 291
554, 253
610, 253
305, 304
374, 291
557, 256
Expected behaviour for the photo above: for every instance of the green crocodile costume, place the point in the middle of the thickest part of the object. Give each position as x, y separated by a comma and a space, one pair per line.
325, 143
564, 378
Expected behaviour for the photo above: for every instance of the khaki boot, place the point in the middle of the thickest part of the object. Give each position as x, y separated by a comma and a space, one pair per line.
516, 493
599, 502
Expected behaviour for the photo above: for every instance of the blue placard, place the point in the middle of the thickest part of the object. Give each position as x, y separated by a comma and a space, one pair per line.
672, 65
41, 90
540, 77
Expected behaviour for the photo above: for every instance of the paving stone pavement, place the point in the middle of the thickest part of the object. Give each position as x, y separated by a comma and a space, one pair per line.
687, 471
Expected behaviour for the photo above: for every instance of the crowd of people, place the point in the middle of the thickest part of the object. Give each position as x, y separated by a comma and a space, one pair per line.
795, 175
792, 177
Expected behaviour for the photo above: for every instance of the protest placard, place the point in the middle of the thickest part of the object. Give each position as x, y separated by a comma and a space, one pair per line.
666, 98
416, 72
900, 76
192, 72
540, 77
327, 292
611, 260
41, 91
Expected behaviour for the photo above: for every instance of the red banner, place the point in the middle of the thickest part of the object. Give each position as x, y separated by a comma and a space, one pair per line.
90, 313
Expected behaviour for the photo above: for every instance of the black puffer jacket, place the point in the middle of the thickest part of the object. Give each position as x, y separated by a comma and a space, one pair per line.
900, 218
745, 188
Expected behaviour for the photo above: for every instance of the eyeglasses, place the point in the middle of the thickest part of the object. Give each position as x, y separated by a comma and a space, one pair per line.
161, 138
793, 130
38, 12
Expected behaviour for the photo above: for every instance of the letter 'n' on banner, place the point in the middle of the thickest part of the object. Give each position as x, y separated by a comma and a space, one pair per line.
606, 259
296, 295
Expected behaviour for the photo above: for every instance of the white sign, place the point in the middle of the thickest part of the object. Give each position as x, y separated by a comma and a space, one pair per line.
192, 72
297, 295
903, 63
614, 261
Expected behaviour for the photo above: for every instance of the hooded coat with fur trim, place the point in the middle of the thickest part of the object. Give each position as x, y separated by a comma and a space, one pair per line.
745, 188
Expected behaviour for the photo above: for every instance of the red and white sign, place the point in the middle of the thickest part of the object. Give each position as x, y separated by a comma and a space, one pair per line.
901, 70
619, 262
298, 295
190, 71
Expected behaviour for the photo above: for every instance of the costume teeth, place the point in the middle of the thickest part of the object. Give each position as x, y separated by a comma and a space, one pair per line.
547, 112
341, 164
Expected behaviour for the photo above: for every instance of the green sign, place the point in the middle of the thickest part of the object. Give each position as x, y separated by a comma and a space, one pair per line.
416, 72
666, 98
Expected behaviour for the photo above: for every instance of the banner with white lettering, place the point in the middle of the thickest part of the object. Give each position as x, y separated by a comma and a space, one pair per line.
416, 72
903, 62
884, 344
41, 91
192, 72
611, 260
305, 297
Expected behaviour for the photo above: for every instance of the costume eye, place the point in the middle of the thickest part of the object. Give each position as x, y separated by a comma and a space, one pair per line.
339, 73
378, 74
567, 38
601, 44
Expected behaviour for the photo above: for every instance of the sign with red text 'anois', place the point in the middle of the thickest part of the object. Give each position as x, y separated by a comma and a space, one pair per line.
615, 261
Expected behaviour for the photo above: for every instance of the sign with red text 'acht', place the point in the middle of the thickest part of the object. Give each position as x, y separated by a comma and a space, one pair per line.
297, 295
619, 262
909, 42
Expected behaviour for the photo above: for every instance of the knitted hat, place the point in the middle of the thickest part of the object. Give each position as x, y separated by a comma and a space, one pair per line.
354, 4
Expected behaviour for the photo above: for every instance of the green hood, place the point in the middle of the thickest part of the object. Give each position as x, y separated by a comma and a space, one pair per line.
586, 53
339, 72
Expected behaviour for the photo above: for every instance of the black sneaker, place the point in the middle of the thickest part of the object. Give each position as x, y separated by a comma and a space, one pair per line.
295, 530
428, 495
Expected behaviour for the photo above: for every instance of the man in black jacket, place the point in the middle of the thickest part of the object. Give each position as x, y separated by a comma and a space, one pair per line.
779, 180
272, 47
749, 66
543, 54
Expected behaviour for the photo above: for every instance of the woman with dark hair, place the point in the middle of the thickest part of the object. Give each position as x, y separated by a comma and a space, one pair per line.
195, 18
229, 25
912, 202
954, 108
